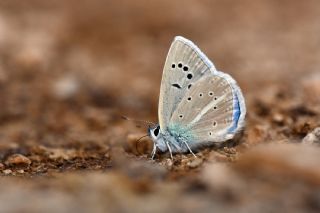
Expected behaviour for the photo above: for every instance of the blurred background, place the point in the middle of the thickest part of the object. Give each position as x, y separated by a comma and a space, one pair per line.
69, 70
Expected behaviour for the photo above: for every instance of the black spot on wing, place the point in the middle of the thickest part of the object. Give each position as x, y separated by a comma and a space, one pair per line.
189, 76
176, 85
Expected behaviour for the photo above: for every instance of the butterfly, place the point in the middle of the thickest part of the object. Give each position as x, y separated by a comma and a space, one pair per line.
198, 105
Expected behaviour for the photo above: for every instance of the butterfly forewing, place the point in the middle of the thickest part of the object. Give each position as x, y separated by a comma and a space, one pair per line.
207, 109
185, 64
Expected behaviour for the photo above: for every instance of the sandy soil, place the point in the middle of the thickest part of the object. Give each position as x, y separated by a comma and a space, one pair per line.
69, 70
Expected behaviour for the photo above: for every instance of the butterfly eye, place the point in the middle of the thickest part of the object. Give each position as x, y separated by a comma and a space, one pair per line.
210, 133
180, 116
189, 76
210, 93
214, 107
200, 94
215, 98
156, 131
185, 68
179, 65
173, 65
189, 86
214, 123
189, 98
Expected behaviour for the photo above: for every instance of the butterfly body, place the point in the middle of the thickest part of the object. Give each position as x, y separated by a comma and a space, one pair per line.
198, 105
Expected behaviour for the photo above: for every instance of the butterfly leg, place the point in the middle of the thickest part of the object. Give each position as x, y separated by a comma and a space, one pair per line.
153, 151
189, 148
169, 150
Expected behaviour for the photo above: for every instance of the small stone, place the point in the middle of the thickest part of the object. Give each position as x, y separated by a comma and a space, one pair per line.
230, 150
35, 158
57, 153
1, 166
107, 155
17, 159
195, 163
20, 171
278, 118
66, 87
312, 137
169, 163
7, 171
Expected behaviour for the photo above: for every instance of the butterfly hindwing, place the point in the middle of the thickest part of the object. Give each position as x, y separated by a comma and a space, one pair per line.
185, 64
210, 110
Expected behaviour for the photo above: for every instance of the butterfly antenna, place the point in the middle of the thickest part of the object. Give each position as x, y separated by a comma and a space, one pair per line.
146, 123
139, 141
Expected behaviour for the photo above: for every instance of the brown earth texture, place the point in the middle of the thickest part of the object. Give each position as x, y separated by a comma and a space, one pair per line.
70, 69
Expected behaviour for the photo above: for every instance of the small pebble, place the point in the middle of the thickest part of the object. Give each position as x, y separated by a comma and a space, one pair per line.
7, 171
20, 171
278, 118
17, 159
169, 163
312, 137
230, 150
66, 87
195, 163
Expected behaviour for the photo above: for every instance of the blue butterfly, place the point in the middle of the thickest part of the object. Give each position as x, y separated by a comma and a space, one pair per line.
198, 105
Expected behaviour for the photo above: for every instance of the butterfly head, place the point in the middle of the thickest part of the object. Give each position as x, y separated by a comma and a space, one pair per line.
157, 137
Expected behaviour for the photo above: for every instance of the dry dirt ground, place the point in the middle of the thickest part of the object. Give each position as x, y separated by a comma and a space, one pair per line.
70, 69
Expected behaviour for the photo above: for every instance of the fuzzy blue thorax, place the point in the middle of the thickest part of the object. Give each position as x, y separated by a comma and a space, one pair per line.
174, 136
180, 133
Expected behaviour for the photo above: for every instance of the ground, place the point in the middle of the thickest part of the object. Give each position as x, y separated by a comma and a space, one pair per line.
69, 71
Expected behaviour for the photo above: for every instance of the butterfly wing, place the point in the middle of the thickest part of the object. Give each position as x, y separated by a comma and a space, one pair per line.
185, 64
213, 110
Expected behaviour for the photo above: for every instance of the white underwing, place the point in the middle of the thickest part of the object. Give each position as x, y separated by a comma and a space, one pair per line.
198, 105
